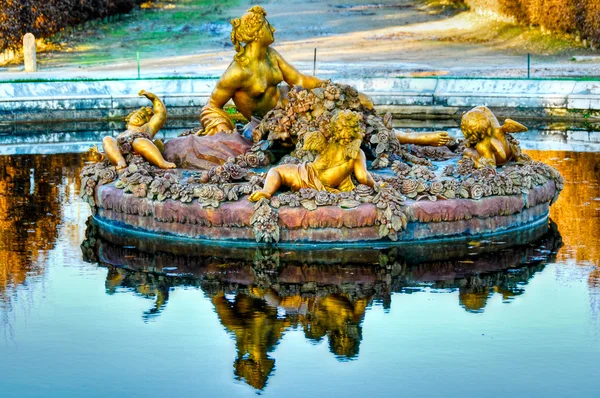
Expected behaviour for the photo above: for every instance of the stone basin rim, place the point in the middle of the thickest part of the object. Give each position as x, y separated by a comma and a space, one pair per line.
117, 227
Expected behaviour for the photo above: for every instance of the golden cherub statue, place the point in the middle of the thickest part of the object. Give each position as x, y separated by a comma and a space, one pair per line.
142, 126
487, 142
252, 81
336, 161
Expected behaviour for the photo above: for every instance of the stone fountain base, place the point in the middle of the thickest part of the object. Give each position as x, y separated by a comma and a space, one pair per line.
232, 222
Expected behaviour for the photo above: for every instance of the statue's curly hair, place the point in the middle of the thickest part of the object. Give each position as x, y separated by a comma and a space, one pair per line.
475, 125
247, 29
347, 120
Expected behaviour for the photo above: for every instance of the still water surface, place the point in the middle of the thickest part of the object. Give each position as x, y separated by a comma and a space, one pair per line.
522, 321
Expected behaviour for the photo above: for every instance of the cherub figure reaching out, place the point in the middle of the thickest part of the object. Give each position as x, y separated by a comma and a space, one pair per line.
487, 142
332, 170
142, 126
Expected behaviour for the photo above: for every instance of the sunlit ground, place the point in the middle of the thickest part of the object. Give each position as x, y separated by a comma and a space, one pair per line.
387, 38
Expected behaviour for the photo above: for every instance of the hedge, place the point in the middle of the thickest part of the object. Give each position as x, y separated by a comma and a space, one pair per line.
46, 17
568, 16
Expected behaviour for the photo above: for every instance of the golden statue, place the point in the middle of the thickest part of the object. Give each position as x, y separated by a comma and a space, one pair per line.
332, 170
142, 126
252, 80
487, 142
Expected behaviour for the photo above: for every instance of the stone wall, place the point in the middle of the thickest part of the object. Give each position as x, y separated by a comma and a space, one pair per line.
423, 98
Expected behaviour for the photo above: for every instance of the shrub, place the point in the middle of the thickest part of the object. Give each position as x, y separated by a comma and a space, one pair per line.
46, 17
557, 15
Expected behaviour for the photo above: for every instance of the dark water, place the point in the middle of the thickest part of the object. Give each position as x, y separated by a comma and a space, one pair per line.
21, 139
103, 316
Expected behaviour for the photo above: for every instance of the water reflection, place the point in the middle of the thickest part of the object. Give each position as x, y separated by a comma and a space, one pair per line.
261, 296
33, 190
258, 295
577, 210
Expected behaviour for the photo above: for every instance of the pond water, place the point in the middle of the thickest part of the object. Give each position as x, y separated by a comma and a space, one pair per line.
93, 317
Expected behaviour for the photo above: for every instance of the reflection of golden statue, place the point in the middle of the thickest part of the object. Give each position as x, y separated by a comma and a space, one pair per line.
254, 318
332, 170
252, 80
257, 330
486, 140
338, 317
142, 126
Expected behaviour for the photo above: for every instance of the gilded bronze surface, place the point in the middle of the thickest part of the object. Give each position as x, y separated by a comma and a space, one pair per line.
142, 126
338, 159
487, 142
252, 81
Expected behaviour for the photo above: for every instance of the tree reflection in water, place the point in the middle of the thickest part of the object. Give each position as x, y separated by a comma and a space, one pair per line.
33, 189
260, 294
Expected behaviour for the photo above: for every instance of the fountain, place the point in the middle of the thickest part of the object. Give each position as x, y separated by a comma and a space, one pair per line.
314, 164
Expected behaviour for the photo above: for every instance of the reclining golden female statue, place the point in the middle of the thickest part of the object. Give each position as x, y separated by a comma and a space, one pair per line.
142, 126
252, 80
487, 142
332, 170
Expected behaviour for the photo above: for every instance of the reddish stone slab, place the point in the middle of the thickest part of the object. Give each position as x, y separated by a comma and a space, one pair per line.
205, 152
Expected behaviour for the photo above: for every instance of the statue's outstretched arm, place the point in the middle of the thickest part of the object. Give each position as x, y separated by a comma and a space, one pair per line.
293, 77
360, 170
160, 113
214, 119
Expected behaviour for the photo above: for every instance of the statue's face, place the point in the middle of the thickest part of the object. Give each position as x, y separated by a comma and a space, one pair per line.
137, 120
346, 135
266, 35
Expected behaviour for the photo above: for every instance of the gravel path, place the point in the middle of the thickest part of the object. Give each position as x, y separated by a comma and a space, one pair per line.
384, 38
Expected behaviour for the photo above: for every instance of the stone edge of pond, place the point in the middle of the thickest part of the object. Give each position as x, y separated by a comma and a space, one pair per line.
417, 98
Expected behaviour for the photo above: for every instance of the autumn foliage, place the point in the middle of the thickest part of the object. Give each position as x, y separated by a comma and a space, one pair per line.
568, 16
46, 17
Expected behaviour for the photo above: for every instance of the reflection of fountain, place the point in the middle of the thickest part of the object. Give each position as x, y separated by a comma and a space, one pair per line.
260, 294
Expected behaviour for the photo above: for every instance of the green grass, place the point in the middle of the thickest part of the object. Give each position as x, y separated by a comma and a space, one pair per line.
152, 32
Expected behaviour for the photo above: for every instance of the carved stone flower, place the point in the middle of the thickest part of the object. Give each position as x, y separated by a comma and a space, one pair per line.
203, 192
465, 166
294, 200
284, 199
275, 202
140, 190
322, 198
436, 187
448, 171
107, 175
364, 190
423, 172
308, 193
400, 168
476, 191
487, 190
409, 187
252, 159
236, 172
